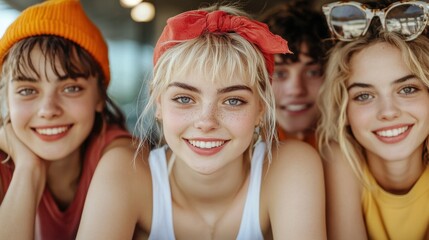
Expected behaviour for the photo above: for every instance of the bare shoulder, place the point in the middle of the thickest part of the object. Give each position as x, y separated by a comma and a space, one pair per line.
124, 161
294, 153
121, 188
293, 192
295, 165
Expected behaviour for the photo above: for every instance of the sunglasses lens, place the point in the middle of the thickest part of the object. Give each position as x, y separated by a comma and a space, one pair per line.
348, 21
407, 19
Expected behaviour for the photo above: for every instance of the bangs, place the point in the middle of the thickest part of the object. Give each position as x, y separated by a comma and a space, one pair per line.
218, 57
66, 59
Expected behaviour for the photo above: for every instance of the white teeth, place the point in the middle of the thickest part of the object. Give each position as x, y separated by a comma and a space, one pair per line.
51, 131
296, 107
392, 132
201, 144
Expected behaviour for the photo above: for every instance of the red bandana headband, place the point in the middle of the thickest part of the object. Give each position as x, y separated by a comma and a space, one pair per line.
192, 24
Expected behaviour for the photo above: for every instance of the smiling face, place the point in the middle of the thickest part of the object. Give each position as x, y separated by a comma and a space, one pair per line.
388, 105
296, 85
52, 115
208, 124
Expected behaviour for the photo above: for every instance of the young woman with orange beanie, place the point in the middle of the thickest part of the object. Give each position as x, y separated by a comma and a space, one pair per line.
217, 172
57, 120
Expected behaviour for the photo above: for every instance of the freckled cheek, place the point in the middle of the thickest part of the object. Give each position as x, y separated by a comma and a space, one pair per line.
242, 122
174, 118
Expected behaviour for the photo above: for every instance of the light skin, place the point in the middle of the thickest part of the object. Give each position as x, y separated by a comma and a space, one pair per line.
50, 118
296, 85
209, 181
387, 112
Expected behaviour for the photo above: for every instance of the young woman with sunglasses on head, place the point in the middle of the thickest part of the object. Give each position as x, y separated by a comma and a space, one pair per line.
374, 128
217, 173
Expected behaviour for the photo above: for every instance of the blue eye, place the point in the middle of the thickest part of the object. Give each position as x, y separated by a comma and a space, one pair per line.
408, 90
183, 100
72, 89
26, 92
234, 102
363, 97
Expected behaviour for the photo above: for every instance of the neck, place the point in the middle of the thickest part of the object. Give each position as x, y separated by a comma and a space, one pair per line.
63, 178
199, 188
399, 176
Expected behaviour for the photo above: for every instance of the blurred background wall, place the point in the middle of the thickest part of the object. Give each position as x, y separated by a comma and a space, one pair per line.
131, 41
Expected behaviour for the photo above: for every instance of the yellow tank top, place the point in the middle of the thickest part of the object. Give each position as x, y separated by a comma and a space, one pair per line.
390, 216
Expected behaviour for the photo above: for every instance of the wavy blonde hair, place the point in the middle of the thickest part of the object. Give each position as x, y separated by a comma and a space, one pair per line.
333, 95
220, 56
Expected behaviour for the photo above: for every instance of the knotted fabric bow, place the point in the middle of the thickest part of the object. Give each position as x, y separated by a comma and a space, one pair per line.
192, 24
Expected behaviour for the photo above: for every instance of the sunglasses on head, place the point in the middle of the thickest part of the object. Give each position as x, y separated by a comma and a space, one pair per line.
351, 20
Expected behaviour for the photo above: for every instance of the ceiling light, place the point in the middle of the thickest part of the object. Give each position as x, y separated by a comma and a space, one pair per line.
144, 12
129, 3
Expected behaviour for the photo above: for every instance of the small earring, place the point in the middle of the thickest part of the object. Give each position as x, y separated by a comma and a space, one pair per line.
257, 133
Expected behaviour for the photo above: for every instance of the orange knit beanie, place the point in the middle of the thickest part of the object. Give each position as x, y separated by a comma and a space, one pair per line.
64, 18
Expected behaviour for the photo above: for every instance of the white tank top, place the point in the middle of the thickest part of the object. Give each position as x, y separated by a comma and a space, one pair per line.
162, 219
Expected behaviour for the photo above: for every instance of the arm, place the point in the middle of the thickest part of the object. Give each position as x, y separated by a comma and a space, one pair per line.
296, 193
343, 194
119, 197
19, 205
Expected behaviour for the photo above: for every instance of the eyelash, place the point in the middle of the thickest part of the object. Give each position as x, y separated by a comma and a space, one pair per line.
73, 88
240, 102
26, 91
179, 99
412, 88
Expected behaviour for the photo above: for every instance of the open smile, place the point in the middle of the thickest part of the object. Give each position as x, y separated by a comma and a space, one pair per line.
392, 132
206, 147
50, 134
295, 107
206, 144
51, 131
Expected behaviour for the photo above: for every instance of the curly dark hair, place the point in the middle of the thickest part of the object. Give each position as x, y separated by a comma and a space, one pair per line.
298, 22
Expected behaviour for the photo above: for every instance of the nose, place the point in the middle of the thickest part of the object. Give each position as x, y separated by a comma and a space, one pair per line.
388, 109
207, 119
49, 107
295, 86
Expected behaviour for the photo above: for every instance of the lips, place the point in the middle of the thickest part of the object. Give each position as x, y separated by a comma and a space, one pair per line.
295, 107
206, 144
51, 131
392, 132
206, 147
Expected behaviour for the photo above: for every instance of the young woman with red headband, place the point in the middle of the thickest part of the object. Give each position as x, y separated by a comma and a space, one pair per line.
217, 172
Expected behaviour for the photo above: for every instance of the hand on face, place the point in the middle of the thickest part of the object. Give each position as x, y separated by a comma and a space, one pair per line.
21, 155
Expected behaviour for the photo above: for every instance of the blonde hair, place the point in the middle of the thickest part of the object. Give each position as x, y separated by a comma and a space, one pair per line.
219, 56
333, 95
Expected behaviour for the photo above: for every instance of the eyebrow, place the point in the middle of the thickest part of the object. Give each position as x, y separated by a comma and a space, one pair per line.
24, 79
220, 91
365, 85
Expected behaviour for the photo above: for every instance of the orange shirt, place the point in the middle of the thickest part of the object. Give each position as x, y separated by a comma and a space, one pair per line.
309, 138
